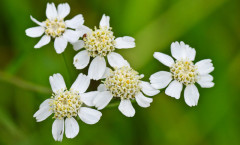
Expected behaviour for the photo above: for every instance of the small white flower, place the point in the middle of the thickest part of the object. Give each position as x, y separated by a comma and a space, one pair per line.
66, 105
123, 83
56, 27
183, 71
99, 43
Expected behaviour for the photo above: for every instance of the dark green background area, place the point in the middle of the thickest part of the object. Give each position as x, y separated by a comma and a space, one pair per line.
212, 27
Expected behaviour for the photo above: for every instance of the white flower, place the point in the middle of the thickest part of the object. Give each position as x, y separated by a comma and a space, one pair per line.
123, 83
67, 105
183, 71
99, 43
56, 27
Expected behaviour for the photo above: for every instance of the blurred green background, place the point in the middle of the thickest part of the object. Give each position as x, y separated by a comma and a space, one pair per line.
210, 26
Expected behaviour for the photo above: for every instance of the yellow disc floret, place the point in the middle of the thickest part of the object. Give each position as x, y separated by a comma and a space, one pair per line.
66, 104
184, 71
123, 82
55, 28
99, 42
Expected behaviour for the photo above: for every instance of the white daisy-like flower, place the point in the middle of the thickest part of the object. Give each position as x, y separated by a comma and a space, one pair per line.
183, 72
67, 105
99, 43
125, 84
56, 27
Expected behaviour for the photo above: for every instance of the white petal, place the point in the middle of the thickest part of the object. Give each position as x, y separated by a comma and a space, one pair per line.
58, 129
204, 66
102, 99
126, 108
83, 30
148, 89
75, 22
51, 11
116, 60
87, 98
125, 42
105, 21
81, 84
106, 73
63, 10
36, 21
43, 113
205, 81
176, 50
97, 68
182, 51
203, 62
46, 103
174, 89
89, 115
72, 127
191, 95
163, 58
43, 41
190, 53
205, 78
182, 46
60, 44
160, 79
71, 35
81, 60
35, 31
101, 88
206, 84
78, 45
143, 101
57, 82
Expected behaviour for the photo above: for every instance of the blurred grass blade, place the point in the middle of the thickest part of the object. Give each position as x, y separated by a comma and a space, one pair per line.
17, 12
165, 29
23, 84
7, 122
141, 11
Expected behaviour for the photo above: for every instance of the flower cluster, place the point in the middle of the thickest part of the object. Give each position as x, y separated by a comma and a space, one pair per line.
119, 80
183, 72
55, 27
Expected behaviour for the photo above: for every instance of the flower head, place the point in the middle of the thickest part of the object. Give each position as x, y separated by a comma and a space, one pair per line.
183, 72
99, 43
125, 84
127, 78
66, 105
56, 27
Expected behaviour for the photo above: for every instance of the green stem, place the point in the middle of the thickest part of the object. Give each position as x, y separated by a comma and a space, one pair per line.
67, 67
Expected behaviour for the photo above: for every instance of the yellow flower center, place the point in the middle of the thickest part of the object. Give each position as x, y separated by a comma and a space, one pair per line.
55, 28
99, 42
123, 82
66, 104
184, 71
